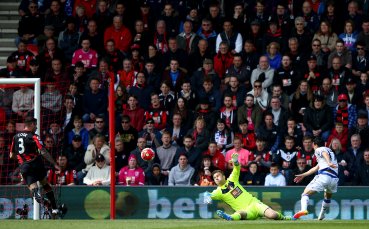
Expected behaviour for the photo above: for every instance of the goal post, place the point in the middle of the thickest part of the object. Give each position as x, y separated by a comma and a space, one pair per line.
36, 82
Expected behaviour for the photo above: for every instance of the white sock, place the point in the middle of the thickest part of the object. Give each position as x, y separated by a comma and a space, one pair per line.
326, 203
304, 202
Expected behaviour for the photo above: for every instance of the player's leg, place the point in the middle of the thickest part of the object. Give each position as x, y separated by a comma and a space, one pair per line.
325, 205
35, 192
238, 215
49, 194
271, 214
224, 215
305, 197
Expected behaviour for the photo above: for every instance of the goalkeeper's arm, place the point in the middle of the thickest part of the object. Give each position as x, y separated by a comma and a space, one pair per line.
207, 198
235, 175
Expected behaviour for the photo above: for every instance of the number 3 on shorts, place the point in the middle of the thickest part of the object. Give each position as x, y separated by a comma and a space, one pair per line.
21, 145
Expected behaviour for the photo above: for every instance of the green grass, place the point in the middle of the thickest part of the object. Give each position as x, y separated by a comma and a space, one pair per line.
201, 224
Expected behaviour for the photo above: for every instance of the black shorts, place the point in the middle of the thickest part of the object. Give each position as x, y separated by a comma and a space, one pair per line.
33, 171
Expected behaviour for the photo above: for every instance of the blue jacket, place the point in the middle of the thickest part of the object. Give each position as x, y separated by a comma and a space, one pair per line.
95, 103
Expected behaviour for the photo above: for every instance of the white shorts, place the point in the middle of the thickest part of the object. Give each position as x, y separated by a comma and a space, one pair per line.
322, 182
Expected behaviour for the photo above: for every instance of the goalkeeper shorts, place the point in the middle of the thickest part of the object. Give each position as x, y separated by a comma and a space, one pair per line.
255, 210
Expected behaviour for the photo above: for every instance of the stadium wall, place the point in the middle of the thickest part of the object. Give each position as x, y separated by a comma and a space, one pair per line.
186, 202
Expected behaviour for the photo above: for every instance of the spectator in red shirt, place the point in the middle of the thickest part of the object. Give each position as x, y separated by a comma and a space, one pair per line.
120, 34
223, 60
217, 158
62, 176
135, 112
89, 5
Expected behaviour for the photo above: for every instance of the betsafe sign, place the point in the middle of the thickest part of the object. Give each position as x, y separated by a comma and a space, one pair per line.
151, 202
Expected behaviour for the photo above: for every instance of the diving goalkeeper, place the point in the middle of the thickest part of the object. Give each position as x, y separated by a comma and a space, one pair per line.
246, 206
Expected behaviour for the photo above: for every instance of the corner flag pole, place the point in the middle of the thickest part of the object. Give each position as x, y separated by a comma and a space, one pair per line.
112, 145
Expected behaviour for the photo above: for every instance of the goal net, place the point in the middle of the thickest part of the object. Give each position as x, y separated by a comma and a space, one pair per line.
20, 98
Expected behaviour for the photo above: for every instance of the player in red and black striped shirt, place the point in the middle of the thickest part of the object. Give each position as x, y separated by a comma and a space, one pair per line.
28, 149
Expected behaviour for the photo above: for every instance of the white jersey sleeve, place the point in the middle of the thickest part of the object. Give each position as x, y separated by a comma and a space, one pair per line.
322, 162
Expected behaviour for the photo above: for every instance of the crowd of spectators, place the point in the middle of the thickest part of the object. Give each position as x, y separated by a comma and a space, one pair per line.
195, 81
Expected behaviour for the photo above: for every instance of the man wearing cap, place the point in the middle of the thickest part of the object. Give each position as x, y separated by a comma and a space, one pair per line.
256, 36
75, 154
207, 71
313, 74
68, 39
205, 111
151, 134
11, 70
355, 97
99, 174
128, 134
361, 128
34, 71
345, 112
132, 174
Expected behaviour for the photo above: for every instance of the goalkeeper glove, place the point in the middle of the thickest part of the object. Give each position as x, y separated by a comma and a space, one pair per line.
235, 158
207, 198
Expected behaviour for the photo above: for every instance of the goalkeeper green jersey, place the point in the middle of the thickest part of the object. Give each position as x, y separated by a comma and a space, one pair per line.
232, 193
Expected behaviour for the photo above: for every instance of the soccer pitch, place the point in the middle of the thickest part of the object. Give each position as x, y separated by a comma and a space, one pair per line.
201, 224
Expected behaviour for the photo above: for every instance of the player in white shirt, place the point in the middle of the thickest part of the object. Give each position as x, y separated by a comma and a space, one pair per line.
326, 180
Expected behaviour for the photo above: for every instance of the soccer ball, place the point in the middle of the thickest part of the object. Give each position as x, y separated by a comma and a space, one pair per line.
147, 154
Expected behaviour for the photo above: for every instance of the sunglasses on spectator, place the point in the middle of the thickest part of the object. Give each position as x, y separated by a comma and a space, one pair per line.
315, 45
257, 86
342, 101
99, 121
125, 121
360, 48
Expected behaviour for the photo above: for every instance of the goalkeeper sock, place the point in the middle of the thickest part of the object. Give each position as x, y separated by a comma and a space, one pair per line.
279, 216
304, 202
236, 216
